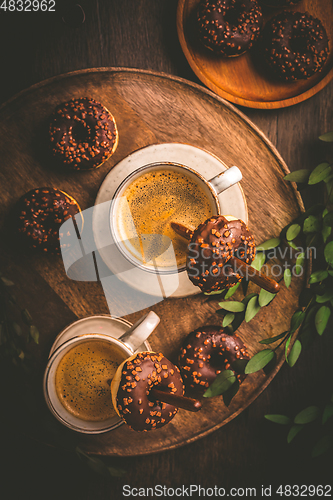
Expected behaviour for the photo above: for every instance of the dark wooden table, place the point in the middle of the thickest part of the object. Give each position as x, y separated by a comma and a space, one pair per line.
249, 451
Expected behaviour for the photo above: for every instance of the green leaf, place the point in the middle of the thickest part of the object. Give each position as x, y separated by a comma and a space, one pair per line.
286, 347
97, 465
228, 318
318, 276
301, 175
230, 393
26, 317
326, 297
320, 173
248, 297
265, 297
239, 318
16, 328
294, 430
239, 366
271, 340
311, 224
216, 292
258, 261
34, 333
328, 412
287, 277
223, 381
310, 315
326, 233
328, 219
296, 320
272, 364
6, 282
259, 360
294, 353
299, 263
232, 306
328, 252
292, 245
321, 319
269, 244
252, 308
232, 290
328, 137
323, 445
279, 419
293, 231
307, 415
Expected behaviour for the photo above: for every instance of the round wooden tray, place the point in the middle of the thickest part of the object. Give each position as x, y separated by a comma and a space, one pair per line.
149, 108
242, 80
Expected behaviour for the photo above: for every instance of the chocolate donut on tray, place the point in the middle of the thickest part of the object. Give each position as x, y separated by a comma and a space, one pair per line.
132, 385
83, 134
206, 352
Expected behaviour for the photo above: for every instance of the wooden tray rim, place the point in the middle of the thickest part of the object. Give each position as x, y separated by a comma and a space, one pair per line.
274, 151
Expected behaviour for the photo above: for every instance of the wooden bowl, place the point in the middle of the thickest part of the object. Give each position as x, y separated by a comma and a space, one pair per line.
242, 79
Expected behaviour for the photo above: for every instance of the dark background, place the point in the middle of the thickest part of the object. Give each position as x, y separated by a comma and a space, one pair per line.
249, 451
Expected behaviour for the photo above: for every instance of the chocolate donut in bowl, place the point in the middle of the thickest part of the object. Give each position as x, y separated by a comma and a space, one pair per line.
229, 27
39, 215
131, 390
83, 134
206, 352
295, 45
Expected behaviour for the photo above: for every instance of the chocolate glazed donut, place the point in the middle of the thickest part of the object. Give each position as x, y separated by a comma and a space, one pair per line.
83, 134
229, 27
132, 384
40, 213
295, 45
208, 351
210, 249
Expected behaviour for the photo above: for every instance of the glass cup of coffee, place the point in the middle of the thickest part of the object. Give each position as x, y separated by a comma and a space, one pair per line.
152, 197
79, 371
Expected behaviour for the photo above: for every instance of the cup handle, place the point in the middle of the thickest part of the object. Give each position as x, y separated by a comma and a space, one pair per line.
140, 331
226, 179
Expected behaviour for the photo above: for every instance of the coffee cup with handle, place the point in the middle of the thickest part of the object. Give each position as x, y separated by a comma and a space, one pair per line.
79, 371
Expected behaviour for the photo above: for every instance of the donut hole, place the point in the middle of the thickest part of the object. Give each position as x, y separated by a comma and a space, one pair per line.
231, 16
299, 43
216, 360
81, 132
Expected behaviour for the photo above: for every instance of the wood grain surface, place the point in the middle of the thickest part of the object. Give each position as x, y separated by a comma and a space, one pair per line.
249, 451
149, 108
244, 80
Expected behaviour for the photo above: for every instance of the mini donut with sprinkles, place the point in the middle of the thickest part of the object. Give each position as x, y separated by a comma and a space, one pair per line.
39, 215
131, 386
206, 352
212, 245
295, 45
83, 134
229, 27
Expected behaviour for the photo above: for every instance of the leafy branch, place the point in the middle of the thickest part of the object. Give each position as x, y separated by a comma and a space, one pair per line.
309, 235
320, 418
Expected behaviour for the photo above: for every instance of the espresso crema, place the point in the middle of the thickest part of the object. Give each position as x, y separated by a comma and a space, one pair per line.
83, 379
150, 203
